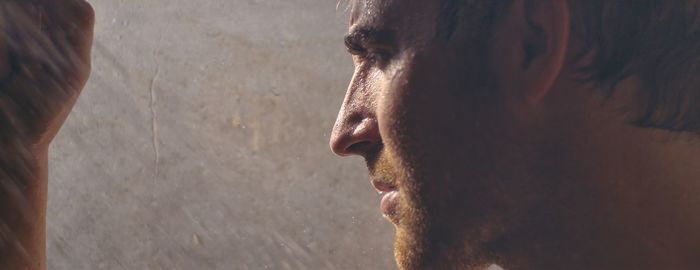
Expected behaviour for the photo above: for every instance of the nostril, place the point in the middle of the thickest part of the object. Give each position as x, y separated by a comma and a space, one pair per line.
360, 148
340, 145
354, 145
355, 139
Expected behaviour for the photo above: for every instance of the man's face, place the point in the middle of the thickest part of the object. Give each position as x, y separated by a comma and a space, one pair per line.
424, 109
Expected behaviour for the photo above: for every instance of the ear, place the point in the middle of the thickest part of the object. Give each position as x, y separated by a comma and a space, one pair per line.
530, 42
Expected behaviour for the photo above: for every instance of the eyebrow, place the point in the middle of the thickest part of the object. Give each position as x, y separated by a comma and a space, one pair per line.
362, 36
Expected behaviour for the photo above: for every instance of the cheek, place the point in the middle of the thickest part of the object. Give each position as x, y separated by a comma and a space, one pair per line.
421, 121
441, 126
418, 109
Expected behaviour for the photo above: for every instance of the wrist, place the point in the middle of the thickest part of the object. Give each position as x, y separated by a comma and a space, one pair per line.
26, 217
40, 151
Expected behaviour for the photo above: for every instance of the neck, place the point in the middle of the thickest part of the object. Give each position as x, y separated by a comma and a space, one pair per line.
627, 199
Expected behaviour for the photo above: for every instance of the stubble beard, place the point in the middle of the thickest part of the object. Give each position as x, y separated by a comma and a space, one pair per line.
425, 237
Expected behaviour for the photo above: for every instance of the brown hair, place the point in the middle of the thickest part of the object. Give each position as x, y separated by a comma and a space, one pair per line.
657, 40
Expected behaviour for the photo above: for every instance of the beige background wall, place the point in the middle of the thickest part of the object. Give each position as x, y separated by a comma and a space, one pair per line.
200, 142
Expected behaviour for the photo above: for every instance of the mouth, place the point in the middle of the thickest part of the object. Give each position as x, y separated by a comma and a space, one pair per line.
390, 199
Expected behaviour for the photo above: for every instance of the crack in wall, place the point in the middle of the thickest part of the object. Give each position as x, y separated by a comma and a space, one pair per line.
154, 114
154, 122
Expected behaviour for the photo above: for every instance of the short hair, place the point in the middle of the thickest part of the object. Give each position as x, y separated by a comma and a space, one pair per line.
656, 40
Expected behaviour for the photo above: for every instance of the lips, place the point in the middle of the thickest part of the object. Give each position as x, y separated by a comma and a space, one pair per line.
389, 204
383, 186
390, 199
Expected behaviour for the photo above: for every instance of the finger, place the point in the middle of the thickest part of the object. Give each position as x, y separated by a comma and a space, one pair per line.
21, 8
38, 69
72, 22
26, 43
51, 63
5, 64
52, 34
52, 56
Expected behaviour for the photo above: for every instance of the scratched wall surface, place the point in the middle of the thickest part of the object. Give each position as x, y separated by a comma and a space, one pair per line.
200, 142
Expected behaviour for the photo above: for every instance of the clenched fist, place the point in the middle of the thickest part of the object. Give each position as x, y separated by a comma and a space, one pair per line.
44, 63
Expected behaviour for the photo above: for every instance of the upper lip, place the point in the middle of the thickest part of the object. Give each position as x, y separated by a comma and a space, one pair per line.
383, 186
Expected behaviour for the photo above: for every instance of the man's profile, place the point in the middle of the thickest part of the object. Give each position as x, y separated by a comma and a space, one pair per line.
532, 134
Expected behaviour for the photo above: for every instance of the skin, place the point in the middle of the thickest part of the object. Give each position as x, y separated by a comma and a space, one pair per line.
44, 64
501, 156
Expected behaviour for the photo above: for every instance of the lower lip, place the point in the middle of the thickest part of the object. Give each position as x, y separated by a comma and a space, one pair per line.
389, 204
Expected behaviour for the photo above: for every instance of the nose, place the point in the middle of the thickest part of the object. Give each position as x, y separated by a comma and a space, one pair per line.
356, 130
354, 135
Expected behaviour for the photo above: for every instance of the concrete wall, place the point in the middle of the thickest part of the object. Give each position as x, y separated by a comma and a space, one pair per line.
201, 142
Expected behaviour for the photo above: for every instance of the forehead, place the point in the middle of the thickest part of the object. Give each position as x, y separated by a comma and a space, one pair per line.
394, 14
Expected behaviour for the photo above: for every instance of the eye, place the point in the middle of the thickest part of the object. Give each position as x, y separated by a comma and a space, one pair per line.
354, 48
367, 51
373, 56
377, 57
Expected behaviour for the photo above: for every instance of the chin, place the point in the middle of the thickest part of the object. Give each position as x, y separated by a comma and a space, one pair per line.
428, 240
414, 250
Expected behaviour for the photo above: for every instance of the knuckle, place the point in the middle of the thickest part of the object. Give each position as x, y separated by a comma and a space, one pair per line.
88, 12
84, 12
76, 12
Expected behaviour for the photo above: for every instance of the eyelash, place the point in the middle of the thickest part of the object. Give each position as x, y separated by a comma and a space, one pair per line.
376, 57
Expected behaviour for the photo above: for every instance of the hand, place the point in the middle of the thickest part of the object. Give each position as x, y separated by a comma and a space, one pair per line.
45, 61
